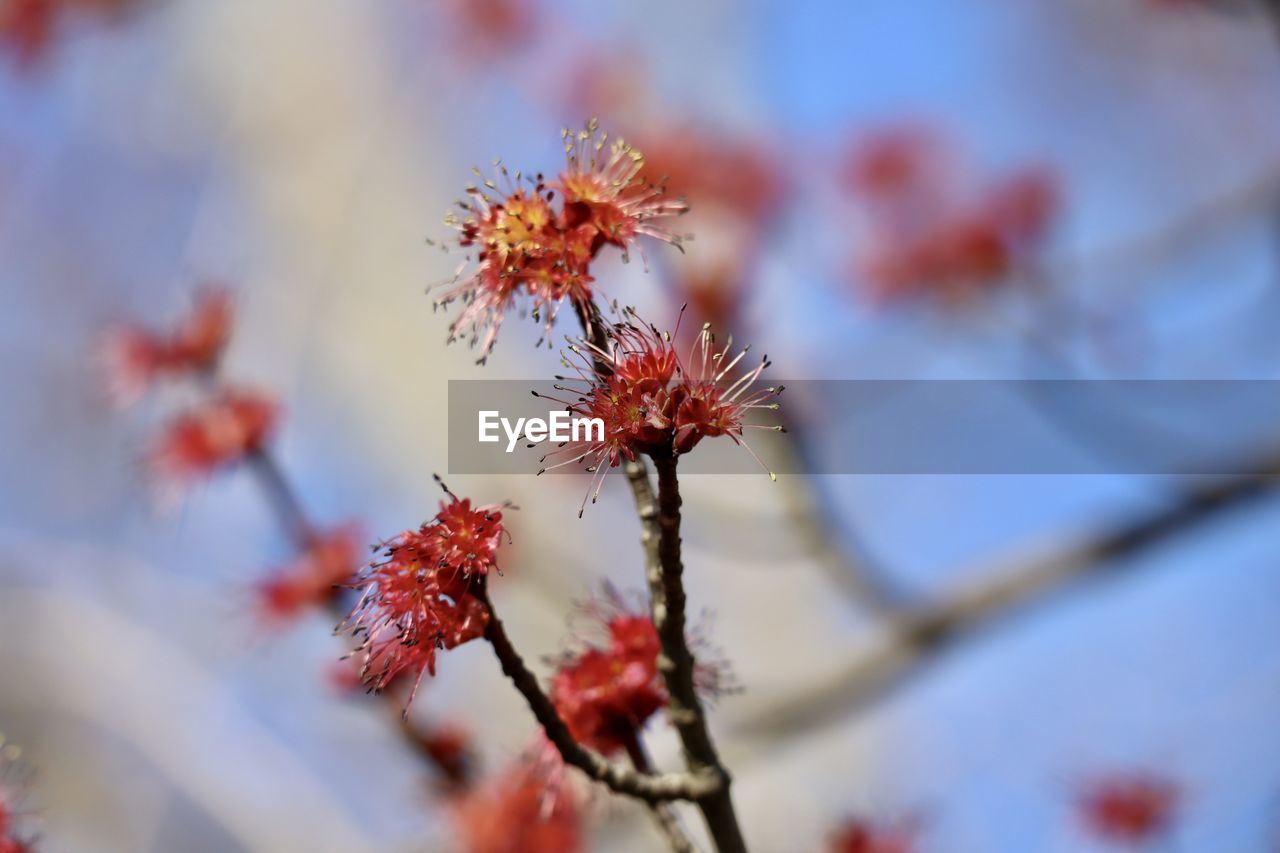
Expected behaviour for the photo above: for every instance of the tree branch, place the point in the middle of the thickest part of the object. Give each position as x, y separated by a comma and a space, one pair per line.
678, 666
622, 780
914, 639
664, 814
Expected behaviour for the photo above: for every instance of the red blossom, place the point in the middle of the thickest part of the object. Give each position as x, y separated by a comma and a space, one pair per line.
137, 358
652, 401
928, 231
518, 812
214, 434
330, 561
862, 836
1132, 808
608, 690
602, 187
605, 696
418, 599
527, 249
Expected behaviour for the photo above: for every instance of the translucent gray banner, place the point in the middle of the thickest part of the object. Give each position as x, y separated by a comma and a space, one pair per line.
933, 427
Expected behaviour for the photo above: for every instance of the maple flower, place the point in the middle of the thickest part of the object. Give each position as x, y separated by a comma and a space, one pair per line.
527, 247
137, 358
652, 401
417, 599
1131, 808
862, 836
214, 434
329, 561
608, 690
603, 187
518, 812
929, 231
15, 816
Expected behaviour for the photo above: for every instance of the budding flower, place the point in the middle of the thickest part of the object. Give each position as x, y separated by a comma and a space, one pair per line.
138, 358
528, 249
328, 562
607, 691
214, 434
418, 598
654, 402
1130, 809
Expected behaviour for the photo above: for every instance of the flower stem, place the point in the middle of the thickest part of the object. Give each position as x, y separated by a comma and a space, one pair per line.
678, 666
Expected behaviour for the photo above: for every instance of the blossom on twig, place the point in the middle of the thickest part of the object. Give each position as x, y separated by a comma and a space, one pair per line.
137, 358
328, 562
214, 434
418, 598
650, 400
607, 691
528, 248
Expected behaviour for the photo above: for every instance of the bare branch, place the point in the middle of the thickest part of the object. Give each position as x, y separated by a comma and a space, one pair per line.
913, 639
664, 814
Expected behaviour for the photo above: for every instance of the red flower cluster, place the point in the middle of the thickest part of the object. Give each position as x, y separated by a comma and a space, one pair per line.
1130, 809
861, 836
607, 691
606, 694
927, 232
27, 27
527, 247
516, 812
329, 561
214, 434
137, 358
13, 789
652, 401
419, 599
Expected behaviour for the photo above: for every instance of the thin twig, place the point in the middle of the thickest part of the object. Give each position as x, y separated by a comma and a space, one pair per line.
664, 814
622, 780
915, 639
678, 666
